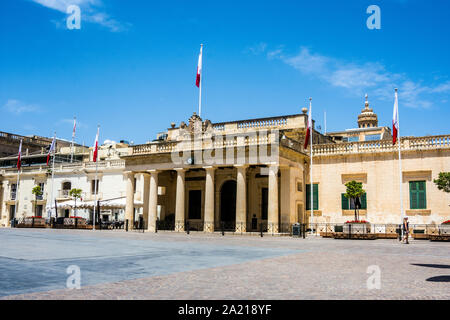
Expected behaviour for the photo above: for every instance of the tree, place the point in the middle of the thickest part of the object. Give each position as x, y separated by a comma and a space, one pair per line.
37, 191
75, 194
443, 182
354, 191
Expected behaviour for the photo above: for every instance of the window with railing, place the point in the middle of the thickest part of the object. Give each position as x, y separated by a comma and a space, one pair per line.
94, 185
13, 192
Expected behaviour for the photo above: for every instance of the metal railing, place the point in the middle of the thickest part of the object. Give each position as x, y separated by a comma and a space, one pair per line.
388, 230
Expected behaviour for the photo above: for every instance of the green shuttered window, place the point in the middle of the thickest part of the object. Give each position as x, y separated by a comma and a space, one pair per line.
417, 195
315, 197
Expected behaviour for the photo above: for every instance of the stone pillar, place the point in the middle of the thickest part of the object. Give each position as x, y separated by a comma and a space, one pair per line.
153, 201
208, 221
179, 204
129, 206
241, 199
287, 202
272, 222
145, 196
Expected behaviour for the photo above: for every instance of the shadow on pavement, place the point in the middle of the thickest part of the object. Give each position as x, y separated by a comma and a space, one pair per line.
440, 266
439, 279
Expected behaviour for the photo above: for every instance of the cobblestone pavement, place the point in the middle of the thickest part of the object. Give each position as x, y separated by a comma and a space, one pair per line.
209, 266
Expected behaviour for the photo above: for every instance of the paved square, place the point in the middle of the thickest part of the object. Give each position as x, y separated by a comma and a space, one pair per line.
121, 265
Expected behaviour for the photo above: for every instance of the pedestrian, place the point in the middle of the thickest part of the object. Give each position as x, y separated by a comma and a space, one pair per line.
405, 230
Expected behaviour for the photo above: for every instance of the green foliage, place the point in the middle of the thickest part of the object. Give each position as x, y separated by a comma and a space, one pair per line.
354, 190
75, 193
443, 182
37, 191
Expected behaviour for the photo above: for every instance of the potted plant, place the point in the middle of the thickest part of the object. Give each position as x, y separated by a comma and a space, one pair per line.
354, 192
356, 226
37, 191
444, 227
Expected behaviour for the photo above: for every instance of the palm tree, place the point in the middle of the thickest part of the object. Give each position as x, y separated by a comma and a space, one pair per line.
75, 194
37, 191
354, 191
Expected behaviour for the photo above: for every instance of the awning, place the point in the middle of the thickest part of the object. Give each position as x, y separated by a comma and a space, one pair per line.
118, 203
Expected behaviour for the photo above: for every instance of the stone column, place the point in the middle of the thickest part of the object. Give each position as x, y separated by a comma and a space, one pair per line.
145, 196
179, 204
273, 199
208, 221
129, 206
153, 201
241, 199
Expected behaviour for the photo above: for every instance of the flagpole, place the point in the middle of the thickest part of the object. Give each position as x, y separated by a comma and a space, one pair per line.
73, 136
95, 183
53, 180
310, 166
200, 85
17, 193
399, 165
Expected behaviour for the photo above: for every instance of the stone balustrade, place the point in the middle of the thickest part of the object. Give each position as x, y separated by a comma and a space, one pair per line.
408, 144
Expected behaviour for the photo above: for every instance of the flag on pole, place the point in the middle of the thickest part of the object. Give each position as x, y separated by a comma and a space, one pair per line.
395, 122
199, 68
308, 129
74, 127
19, 157
52, 148
96, 146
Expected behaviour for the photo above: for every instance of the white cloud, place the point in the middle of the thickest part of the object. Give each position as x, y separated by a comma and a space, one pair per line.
18, 107
89, 12
360, 78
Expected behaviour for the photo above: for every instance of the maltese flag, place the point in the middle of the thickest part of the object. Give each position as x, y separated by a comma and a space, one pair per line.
308, 129
199, 68
74, 127
96, 146
395, 122
19, 157
52, 148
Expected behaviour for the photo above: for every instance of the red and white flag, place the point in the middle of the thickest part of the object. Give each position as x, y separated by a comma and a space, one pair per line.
199, 68
96, 146
308, 129
395, 122
74, 127
52, 148
19, 157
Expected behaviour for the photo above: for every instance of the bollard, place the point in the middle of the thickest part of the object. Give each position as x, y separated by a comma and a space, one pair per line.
187, 227
304, 230
261, 229
126, 225
350, 231
32, 222
76, 223
156, 227
223, 228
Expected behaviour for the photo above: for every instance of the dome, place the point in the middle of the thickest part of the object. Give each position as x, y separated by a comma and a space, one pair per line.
367, 118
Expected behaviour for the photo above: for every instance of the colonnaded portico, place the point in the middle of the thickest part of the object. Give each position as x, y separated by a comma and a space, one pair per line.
212, 179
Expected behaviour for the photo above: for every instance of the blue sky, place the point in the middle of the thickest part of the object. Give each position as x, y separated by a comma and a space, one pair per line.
131, 67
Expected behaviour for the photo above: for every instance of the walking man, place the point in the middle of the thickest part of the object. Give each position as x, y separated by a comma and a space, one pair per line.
405, 230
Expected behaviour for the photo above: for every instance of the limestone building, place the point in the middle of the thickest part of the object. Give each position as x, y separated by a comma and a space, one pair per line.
250, 175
